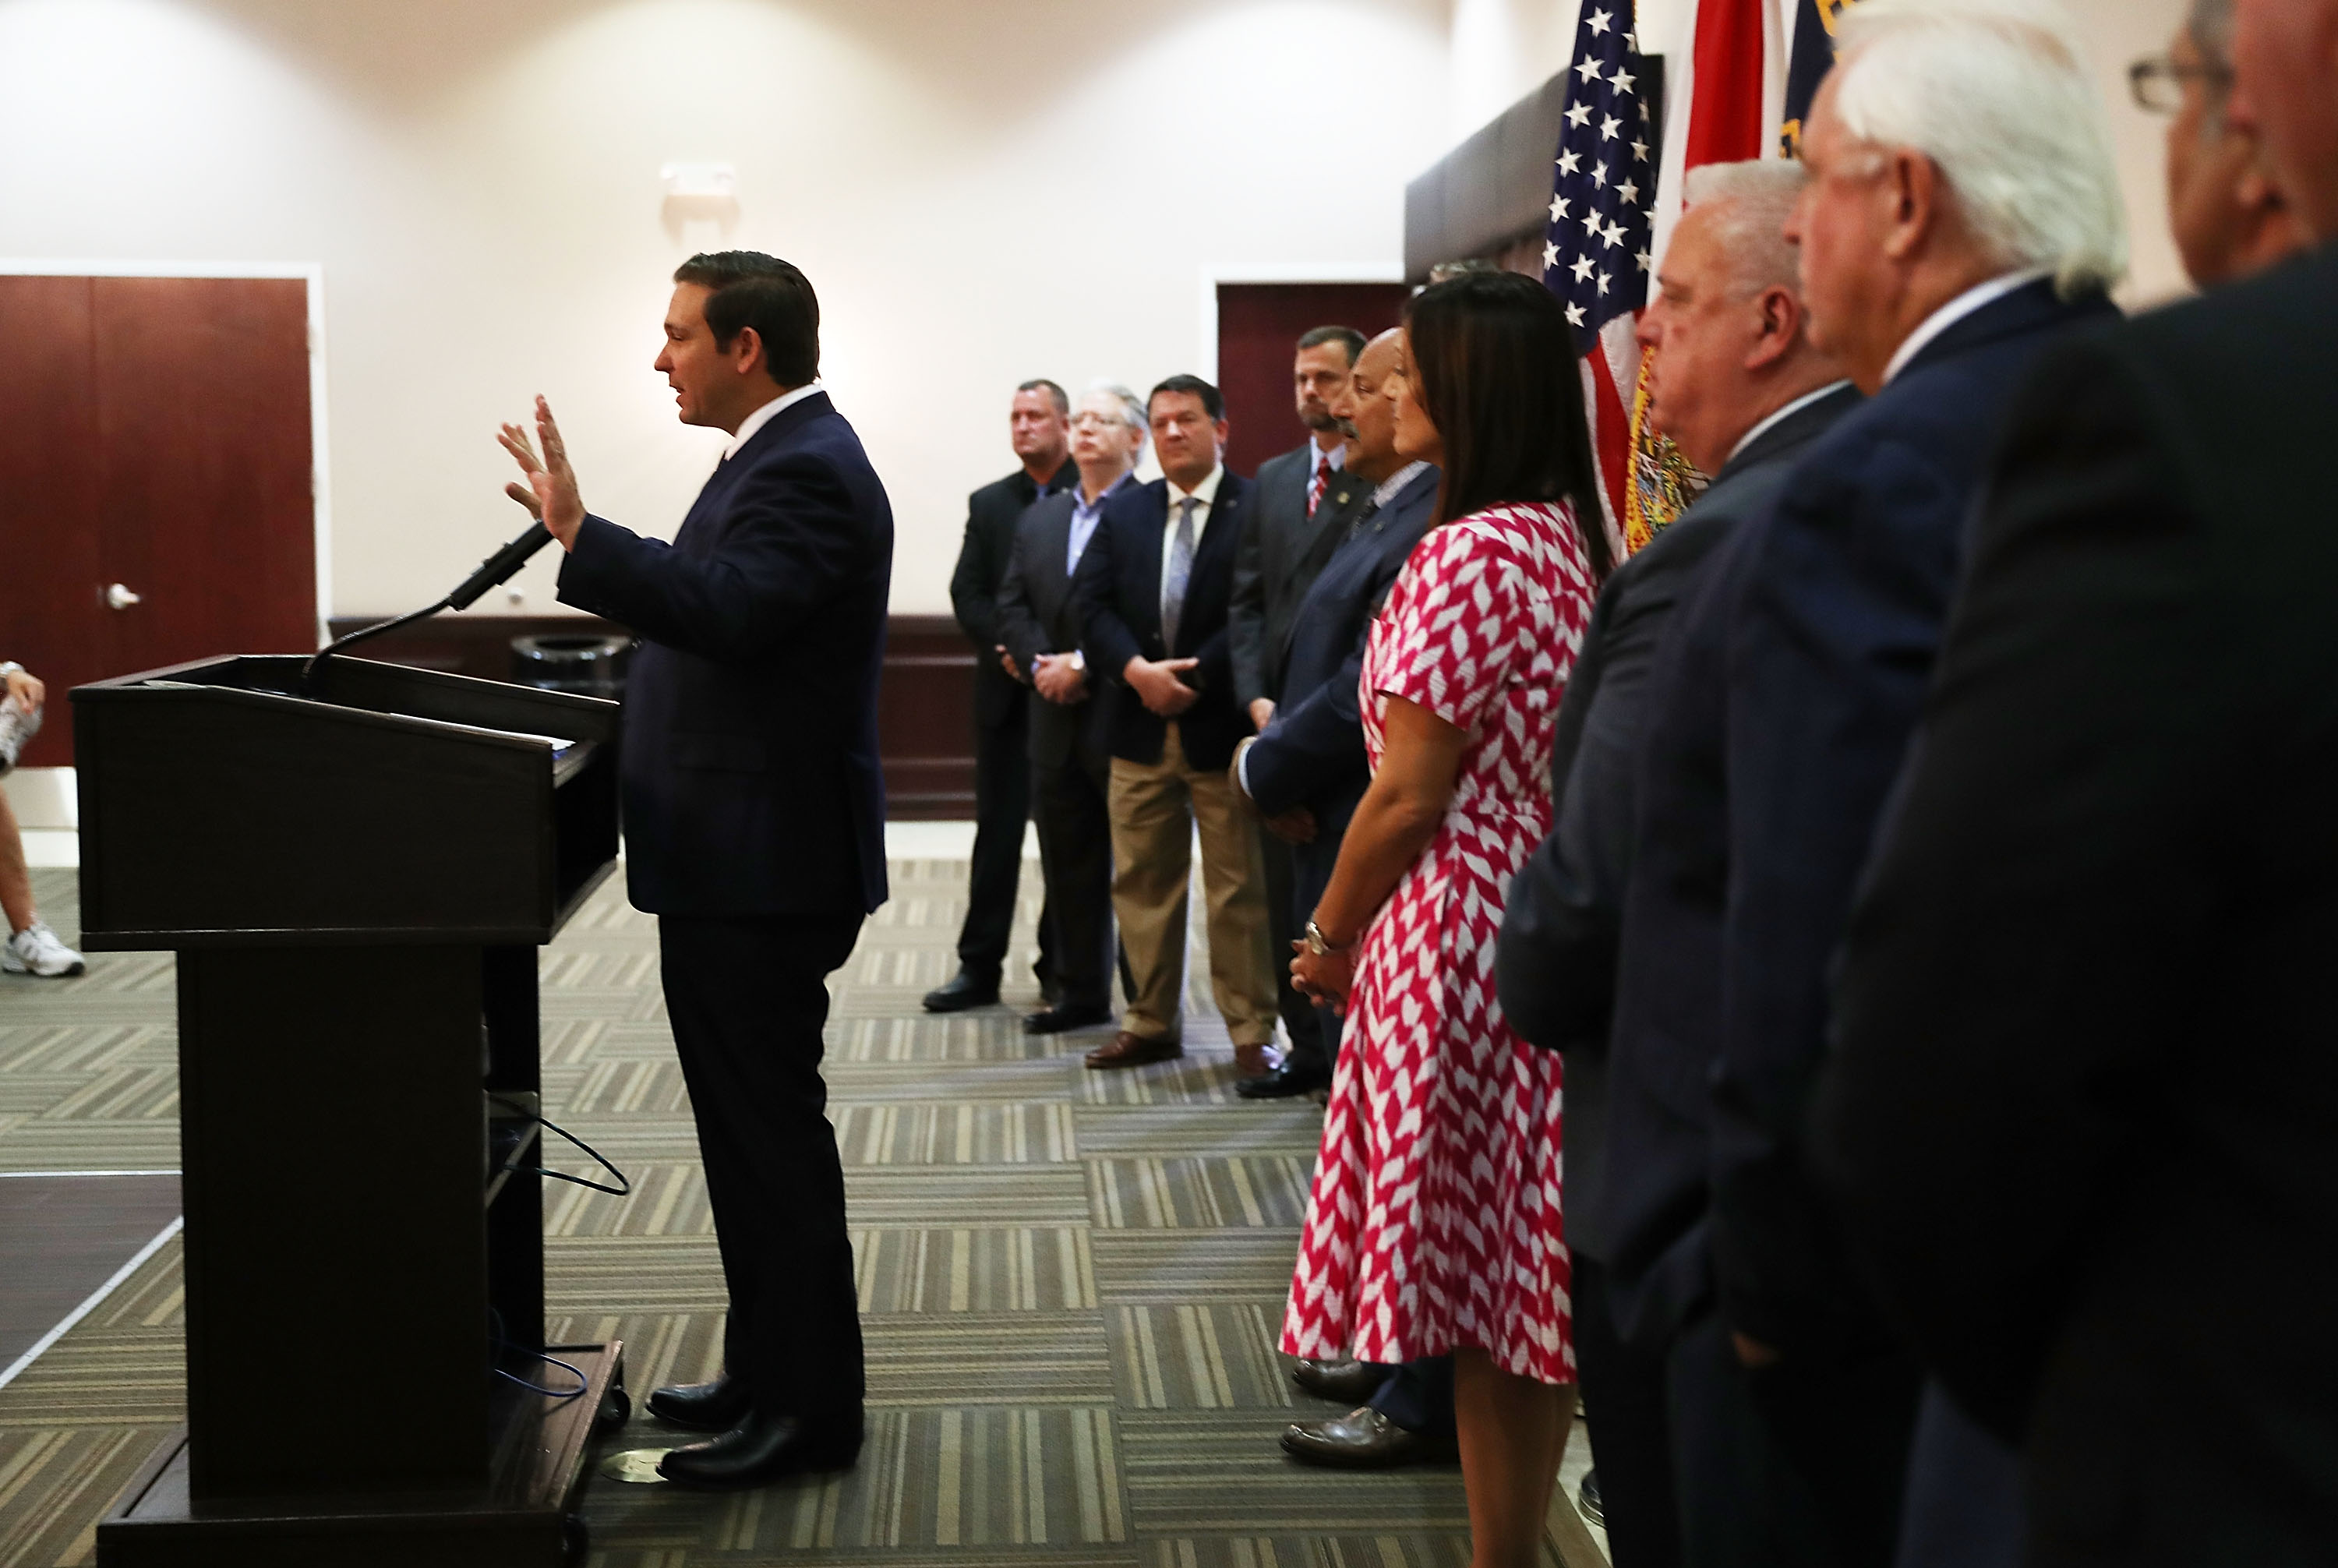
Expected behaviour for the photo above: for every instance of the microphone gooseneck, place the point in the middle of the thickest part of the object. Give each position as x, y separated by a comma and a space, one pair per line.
492, 571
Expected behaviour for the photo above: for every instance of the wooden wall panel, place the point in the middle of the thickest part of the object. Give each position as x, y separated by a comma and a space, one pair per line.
925, 712
52, 563
1259, 325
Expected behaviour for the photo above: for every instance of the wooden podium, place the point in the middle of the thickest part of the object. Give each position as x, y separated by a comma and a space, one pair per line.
355, 881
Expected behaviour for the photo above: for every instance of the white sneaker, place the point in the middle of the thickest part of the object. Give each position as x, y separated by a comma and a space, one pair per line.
35, 950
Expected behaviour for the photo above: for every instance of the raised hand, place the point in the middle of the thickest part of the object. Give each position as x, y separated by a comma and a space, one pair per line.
550, 491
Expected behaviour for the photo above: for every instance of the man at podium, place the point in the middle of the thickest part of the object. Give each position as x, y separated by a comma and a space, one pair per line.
754, 826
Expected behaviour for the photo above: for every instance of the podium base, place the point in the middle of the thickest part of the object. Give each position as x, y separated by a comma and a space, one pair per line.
525, 1517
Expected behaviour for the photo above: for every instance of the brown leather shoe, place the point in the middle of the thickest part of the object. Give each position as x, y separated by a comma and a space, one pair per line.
1128, 1050
1254, 1061
1349, 1383
1363, 1440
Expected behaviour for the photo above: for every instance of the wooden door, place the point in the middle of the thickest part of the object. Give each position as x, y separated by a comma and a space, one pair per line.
154, 433
1259, 327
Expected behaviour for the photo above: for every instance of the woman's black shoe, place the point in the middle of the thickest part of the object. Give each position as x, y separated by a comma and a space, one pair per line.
1055, 1020
1290, 1079
715, 1407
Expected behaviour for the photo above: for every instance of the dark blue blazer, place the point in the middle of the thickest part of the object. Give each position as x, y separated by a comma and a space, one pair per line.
1829, 663
750, 771
1313, 754
1556, 962
1119, 591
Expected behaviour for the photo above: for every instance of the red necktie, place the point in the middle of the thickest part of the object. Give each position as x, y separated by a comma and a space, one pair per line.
1316, 486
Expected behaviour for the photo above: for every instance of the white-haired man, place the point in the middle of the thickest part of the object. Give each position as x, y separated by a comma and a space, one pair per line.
1071, 750
1962, 215
2079, 1113
1608, 947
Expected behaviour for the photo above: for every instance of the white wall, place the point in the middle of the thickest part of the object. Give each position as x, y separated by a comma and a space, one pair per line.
981, 189
981, 193
1503, 49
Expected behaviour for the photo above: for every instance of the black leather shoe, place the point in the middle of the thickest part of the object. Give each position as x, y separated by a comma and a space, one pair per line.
765, 1448
1363, 1439
715, 1407
966, 989
1586, 1499
1292, 1078
1349, 1383
1055, 1020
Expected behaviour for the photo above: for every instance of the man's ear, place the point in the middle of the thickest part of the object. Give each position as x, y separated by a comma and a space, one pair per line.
1780, 316
1911, 184
747, 352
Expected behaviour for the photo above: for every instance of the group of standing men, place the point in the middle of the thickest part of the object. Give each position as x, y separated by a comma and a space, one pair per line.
1138, 637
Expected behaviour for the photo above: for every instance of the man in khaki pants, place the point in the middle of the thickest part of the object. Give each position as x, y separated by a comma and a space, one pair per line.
1155, 584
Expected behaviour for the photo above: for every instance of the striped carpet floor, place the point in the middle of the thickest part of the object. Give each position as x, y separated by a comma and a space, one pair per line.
1071, 1281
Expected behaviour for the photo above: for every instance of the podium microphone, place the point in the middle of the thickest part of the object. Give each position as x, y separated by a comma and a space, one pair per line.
493, 572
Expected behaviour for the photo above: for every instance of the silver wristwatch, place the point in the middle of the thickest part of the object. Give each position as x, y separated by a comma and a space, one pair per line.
10, 667
1320, 945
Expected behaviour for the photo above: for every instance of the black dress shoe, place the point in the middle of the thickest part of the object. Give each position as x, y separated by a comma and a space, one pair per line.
765, 1448
1586, 1499
715, 1407
1349, 1383
1363, 1439
1292, 1078
1055, 1020
966, 989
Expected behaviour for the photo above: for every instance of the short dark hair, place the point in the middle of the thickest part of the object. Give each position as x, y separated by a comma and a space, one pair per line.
1495, 361
1055, 394
1348, 338
753, 290
1213, 403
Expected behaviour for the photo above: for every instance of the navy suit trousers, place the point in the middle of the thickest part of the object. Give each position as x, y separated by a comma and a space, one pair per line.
748, 1000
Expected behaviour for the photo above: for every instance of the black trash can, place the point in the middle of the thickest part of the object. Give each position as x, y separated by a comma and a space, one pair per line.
592, 664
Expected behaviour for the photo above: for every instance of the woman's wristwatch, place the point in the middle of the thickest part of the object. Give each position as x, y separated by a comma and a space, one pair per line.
1320, 945
10, 667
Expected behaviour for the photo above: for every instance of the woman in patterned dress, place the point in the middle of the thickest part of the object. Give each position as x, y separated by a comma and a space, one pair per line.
1434, 1224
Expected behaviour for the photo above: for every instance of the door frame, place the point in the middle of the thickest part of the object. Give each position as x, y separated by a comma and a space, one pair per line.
1216, 272
320, 457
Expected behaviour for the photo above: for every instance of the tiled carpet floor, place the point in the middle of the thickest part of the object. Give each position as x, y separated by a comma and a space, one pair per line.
1071, 1281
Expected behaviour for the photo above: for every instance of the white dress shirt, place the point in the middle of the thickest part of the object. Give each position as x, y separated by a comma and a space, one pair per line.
1207, 492
1956, 310
768, 412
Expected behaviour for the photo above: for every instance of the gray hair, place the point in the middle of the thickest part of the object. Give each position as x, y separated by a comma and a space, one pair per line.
1131, 407
1996, 93
2210, 28
1752, 201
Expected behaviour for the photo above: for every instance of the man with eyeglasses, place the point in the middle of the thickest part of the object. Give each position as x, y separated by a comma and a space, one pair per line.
1071, 750
2230, 220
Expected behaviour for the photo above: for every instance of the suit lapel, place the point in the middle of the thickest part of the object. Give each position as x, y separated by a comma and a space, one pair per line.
1148, 563
699, 530
1053, 539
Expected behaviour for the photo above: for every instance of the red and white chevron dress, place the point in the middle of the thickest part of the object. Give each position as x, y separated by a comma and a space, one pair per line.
1435, 1218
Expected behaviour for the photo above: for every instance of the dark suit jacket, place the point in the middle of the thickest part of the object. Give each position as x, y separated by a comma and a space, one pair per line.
1555, 961
750, 764
1313, 754
1833, 653
1038, 613
990, 515
1280, 550
2083, 1115
1119, 589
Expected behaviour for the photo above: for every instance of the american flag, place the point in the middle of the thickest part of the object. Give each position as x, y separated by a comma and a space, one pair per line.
1595, 254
